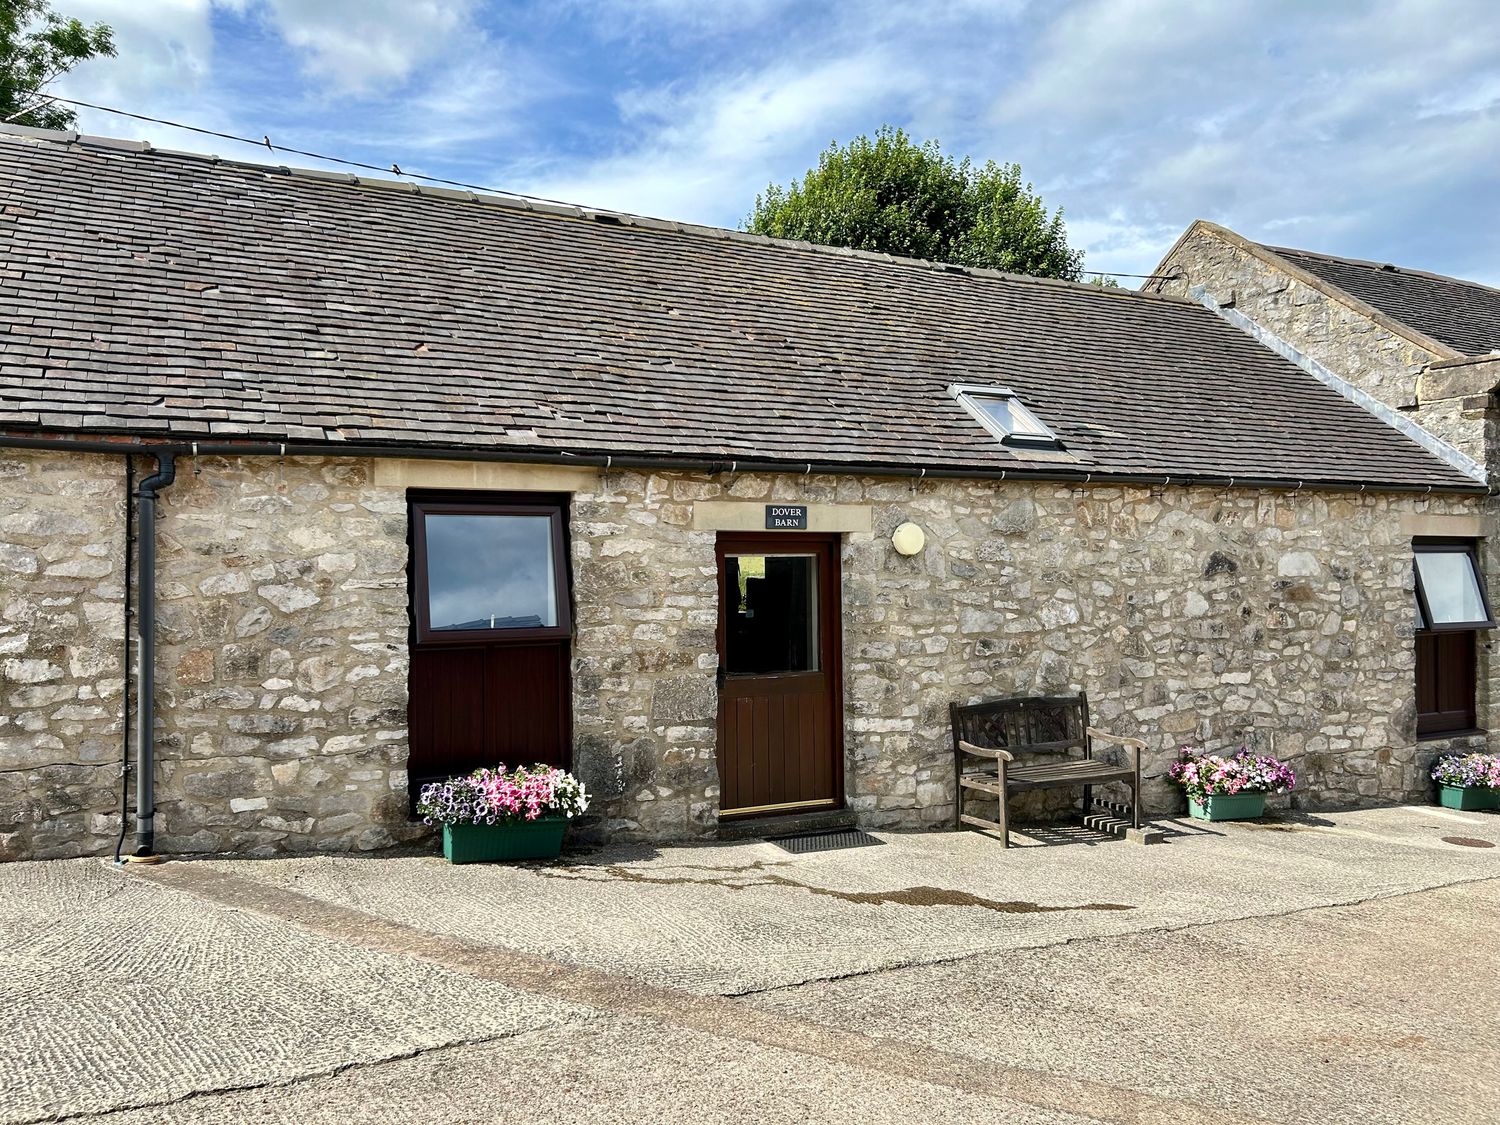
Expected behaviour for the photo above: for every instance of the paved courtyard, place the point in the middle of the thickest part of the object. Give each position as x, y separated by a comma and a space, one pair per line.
1331, 968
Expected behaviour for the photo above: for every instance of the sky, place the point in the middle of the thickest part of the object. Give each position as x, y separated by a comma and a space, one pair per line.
1367, 128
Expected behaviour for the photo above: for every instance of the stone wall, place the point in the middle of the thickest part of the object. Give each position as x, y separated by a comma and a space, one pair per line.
1189, 615
282, 660
645, 700
283, 654
1198, 616
61, 649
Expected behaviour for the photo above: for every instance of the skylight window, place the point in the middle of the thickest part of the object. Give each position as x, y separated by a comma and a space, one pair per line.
1006, 416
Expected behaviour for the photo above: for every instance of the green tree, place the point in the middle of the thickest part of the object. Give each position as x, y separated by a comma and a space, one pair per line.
38, 46
892, 195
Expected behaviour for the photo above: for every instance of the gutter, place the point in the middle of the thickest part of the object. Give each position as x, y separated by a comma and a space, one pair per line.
128, 446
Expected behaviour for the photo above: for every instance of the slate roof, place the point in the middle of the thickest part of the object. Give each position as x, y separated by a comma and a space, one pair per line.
158, 293
1462, 314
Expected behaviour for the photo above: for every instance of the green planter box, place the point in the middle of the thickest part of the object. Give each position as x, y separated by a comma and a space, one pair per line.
490, 843
1468, 800
1226, 806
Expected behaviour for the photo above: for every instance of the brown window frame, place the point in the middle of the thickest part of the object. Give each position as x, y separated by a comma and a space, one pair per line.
1450, 638
422, 508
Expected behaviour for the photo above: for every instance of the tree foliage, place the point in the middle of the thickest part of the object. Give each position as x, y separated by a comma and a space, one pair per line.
38, 46
892, 195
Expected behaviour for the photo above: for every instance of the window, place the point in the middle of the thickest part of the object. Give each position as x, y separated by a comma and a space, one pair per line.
1449, 591
1006, 416
489, 571
771, 614
1451, 608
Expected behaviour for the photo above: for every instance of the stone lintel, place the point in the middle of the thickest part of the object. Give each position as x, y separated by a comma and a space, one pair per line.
743, 515
1458, 380
1415, 524
496, 476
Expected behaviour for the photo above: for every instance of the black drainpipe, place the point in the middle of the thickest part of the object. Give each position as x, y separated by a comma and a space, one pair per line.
145, 684
125, 670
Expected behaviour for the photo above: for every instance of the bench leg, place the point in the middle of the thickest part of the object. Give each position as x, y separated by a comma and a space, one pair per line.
1004, 819
1135, 802
1088, 801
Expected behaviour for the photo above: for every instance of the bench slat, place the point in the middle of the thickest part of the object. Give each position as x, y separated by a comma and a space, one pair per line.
989, 784
1066, 780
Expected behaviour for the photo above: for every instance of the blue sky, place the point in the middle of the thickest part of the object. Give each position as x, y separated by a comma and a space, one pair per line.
1370, 129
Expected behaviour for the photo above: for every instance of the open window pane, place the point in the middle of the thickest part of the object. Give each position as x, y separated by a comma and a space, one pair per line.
1449, 584
1005, 416
1011, 416
490, 572
771, 614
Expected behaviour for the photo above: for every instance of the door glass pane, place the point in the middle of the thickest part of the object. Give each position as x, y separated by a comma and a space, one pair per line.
490, 572
1451, 586
770, 613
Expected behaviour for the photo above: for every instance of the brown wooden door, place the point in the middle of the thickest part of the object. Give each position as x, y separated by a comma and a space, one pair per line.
780, 674
491, 636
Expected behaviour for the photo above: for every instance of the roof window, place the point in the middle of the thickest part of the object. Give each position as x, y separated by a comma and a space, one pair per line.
1449, 592
1006, 416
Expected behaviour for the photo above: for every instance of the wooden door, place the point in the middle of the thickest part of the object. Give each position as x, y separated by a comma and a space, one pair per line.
491, 636
780, 674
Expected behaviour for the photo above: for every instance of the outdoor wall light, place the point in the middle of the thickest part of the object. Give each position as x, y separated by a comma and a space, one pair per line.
908, 539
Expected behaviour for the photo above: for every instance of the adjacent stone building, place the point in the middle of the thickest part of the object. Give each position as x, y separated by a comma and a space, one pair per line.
1421, 346
442, 479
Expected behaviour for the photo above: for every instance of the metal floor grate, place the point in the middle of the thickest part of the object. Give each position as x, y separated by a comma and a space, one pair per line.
825, 841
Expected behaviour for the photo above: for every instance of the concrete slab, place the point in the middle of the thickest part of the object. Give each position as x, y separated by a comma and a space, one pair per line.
114, 991
932, 978
1368, 1014
734, 918
622, 1072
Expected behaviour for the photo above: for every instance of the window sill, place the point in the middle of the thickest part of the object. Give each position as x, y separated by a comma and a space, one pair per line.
1442, 735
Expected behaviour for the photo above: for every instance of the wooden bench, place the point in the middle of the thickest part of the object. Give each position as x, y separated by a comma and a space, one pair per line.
990, 737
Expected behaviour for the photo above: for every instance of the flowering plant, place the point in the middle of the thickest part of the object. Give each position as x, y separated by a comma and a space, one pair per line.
1205, 775
1469, 771
496, 797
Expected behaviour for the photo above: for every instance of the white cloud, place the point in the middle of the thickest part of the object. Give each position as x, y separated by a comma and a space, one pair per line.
162, 46
1359, 131
363, 46
705, 149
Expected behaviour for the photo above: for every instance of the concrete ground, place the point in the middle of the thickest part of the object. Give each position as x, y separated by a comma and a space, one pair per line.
1335, 969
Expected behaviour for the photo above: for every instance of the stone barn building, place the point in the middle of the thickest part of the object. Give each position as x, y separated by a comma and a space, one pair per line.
1423, 347
376, 483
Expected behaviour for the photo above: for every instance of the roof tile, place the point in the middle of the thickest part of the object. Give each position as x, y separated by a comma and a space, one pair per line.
190, 295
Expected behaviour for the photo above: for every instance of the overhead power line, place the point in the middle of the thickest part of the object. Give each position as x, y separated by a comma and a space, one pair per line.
266, 143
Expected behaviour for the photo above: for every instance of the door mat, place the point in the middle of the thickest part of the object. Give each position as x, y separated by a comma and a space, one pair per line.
825, 841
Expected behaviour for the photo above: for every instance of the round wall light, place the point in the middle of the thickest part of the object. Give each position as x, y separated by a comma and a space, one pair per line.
908, 539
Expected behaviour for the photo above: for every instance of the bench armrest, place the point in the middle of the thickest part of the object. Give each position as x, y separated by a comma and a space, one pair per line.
1133, 745
987, 752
